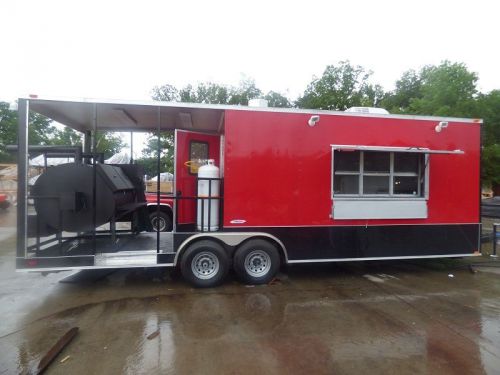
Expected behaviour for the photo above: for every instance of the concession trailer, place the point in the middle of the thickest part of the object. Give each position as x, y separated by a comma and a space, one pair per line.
254, 188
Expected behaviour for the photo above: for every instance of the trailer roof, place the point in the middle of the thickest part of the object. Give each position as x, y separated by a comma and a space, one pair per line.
120, 115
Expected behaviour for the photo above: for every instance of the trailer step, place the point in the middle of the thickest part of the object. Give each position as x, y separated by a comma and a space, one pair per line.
127, 258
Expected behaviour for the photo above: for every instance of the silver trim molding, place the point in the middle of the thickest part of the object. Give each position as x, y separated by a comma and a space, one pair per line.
54, 269
412, 149
296, 261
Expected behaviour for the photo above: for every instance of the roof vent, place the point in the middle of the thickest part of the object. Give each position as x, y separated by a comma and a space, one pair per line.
372, 110
257, 103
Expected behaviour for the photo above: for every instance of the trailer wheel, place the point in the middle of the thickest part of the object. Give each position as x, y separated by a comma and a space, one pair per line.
160, 221
256, 262
205, 264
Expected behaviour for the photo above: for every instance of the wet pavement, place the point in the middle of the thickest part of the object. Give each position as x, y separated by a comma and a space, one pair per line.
437, 316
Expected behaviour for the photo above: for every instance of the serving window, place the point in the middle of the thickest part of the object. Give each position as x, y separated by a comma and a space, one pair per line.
378, 174
375, 182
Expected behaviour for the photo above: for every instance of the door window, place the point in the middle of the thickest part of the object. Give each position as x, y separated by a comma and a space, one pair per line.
198, 153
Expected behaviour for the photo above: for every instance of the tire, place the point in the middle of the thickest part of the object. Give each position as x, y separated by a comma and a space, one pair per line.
161, 219
205, 264
256, 262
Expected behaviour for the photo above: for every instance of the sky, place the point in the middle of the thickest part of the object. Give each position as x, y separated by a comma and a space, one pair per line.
122, 49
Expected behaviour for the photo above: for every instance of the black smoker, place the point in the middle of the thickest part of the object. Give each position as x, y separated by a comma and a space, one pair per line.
63, 197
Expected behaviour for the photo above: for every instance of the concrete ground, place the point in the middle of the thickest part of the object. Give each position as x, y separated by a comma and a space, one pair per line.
438, 316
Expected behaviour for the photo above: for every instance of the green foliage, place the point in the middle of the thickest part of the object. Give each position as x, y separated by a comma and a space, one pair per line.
149, 158
491, 165
446, 90
108, 143
450, 89
408, 88
8, 131
244, 92
166, 93
488, 108
209, 93
67, 137
277, 100
339, 88
40, 131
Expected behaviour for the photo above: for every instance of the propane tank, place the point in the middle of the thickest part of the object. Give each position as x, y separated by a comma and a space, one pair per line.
206, 187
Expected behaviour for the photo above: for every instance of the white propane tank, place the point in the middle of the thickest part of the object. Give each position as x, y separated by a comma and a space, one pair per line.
208, 170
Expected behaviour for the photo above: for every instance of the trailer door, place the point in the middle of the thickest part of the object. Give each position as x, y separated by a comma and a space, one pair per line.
191, 150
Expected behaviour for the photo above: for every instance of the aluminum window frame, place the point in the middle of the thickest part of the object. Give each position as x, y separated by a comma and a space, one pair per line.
422, 176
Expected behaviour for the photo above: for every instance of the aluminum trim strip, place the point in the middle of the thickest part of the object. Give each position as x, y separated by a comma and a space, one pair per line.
412, 149
295, 261
340, 225
92, 267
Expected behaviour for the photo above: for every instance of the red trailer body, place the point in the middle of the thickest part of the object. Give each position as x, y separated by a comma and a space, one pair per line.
296, 186
281, 171
284, 167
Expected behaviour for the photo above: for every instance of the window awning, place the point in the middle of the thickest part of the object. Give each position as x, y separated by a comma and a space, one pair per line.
419, 150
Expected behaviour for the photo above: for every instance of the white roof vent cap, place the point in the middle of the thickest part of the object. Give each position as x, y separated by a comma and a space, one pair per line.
257, 103
372, 110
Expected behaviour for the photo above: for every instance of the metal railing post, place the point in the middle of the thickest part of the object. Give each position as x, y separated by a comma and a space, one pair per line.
495, 230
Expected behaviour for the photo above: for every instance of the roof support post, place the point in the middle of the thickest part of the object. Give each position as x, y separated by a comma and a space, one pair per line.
87, 142
22, 177
158, 174
94, 178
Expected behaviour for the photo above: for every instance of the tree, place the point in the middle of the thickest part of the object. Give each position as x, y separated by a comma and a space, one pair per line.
149, 158
488, 108
448, 89
8, 131
339, 88
67, 137
245, 91
277, 100
166, 93
408, 88
108, 143
209, 93
490, 160
40, 130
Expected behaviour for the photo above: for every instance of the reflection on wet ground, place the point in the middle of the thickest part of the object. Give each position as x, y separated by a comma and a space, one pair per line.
391, 317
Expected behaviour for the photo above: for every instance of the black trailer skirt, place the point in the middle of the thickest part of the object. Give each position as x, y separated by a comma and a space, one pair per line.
358, 242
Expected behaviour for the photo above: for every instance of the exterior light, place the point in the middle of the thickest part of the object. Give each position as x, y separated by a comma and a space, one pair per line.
441, 126
313, 120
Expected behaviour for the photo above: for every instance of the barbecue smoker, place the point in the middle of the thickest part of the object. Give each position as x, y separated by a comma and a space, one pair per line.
253, 188
63, 196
